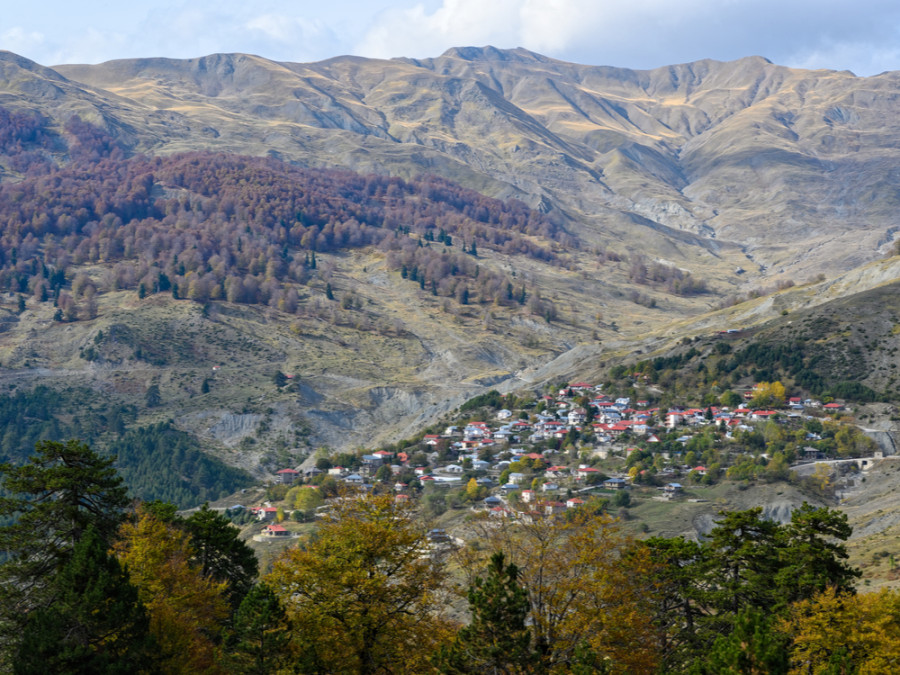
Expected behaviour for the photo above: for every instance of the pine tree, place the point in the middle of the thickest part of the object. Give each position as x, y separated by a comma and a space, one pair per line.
221, 553
152, 396
813, 557
96, 623
63, 490
497, 640
260, 643
753, 647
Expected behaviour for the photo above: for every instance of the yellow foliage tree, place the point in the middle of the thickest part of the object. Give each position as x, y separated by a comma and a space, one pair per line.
839, 633
822, 477
307, 498
768, 394
586, 589
472, 490
364, 593
186, 609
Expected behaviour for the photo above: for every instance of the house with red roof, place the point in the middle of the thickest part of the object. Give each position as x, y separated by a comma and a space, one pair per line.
275, 531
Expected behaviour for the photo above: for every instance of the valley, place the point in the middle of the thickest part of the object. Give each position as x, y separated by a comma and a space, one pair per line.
282, 260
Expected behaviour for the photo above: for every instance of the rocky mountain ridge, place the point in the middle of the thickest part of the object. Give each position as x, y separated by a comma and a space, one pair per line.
745, 173
745, 156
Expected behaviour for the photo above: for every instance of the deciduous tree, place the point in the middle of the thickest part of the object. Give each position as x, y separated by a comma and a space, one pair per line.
585, 589
364, 593
833, 632
186, 609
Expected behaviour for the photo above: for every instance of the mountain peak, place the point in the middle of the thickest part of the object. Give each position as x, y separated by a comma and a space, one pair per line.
490, 53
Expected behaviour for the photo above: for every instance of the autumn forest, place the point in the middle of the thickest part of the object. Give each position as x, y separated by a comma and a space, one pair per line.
97, 583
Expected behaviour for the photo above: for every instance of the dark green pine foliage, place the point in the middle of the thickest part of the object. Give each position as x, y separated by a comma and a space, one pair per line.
160, 462
45, 414
813, 555
152, 396
260, 643
497, 641
753, 647
221, 554
56, 495
96, 623
747, 572
743, 558
677, 575
51, 501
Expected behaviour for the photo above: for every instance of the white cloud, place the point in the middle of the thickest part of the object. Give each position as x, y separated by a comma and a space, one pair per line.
862, 36
20, 40
286, 29
861, 58
554, 26
416, 32
648, 33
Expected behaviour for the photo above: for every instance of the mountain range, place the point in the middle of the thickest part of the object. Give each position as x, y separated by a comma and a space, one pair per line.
732, 179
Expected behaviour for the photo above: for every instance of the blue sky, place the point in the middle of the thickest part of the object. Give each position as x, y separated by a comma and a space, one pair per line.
862, 36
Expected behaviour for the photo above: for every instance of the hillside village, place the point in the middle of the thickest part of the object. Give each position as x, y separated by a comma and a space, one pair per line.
579, 447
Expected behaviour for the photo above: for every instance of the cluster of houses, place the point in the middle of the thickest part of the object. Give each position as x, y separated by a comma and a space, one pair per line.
485, 451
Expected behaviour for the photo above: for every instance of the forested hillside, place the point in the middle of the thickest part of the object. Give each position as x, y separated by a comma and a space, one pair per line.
215, 226
842, 349
156, 462
108, 587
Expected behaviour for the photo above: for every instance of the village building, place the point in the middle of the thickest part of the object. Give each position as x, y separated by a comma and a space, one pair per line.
275, 531
287, 476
